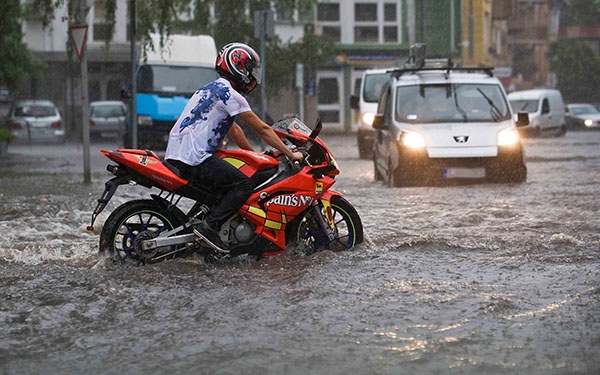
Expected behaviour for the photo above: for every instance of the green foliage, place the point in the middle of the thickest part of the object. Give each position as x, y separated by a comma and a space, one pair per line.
580, 12
16, 61
577, 67
6, 135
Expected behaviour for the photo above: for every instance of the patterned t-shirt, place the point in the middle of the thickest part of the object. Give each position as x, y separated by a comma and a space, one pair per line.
204, 122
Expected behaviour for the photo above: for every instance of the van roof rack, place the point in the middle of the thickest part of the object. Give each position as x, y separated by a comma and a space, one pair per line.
418, 63
397, 73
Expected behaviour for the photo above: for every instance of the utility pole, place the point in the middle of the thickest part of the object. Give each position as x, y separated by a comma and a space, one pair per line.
263, 28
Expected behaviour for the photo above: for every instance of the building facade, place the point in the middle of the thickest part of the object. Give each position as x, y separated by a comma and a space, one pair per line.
368, 34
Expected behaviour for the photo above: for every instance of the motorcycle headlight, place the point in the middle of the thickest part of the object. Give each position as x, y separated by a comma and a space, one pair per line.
508, 137
412, 140
588, 122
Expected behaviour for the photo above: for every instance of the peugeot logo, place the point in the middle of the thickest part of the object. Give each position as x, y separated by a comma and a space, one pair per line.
461, 138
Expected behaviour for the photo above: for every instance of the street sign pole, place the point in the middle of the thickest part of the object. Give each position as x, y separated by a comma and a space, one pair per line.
79, 37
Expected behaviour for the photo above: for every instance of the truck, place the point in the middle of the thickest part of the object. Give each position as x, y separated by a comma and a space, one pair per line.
166, 79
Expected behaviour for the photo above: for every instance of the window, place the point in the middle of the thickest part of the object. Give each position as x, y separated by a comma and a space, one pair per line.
328, 12
389, 12
365, 12
545, 106
390, 34
101, 27
332, 31
366, 34
450, 103
328, 91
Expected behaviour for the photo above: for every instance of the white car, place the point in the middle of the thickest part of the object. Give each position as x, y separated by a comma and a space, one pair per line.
440, 124
582, 116
36, 121
108, 119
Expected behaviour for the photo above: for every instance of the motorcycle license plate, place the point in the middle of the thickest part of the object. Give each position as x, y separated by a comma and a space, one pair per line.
458, 172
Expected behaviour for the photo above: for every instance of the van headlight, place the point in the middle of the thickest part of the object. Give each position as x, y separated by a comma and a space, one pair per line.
508, 137
412, 140
367, 118
588, 122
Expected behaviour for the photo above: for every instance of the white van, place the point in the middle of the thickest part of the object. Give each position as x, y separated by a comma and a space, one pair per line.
366, 104
442, 124
546, 111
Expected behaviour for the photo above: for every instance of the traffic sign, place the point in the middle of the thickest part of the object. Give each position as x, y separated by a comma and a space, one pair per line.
78, 37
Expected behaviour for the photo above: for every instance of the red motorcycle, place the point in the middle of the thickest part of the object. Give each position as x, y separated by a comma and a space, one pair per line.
292, 205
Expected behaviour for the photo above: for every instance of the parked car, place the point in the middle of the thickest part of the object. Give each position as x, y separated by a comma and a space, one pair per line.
582, 116
108, 119
36, 121
546, 111
438, 125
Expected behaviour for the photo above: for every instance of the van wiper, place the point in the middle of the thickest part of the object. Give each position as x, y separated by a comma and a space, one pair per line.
494, 112
462, 111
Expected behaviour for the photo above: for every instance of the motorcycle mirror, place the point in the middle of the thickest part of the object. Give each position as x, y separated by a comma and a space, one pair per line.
318, 128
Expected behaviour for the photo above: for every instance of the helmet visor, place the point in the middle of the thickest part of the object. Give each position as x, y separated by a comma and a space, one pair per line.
256, 72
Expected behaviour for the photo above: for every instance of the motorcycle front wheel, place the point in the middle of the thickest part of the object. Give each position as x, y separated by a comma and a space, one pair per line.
133, 222
306, 235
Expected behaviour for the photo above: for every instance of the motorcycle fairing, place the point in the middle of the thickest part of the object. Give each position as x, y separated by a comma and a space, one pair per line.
148, 164
272, 208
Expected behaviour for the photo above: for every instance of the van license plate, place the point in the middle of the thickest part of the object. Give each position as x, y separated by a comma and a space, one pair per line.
456, 172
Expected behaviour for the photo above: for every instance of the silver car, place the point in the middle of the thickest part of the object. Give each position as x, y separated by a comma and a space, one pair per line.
108, 119
36, 121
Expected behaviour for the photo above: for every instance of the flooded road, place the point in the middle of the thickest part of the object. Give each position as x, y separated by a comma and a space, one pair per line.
497, 279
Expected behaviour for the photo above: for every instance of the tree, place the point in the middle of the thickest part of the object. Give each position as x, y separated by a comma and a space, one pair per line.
577, 68
580, 12
16, 61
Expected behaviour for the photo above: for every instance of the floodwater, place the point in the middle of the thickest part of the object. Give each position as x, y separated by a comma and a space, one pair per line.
497, 279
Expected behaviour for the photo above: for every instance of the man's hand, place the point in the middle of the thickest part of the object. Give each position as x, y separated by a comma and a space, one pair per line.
296, 156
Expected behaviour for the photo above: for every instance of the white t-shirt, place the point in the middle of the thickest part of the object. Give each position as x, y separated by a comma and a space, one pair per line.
204, 122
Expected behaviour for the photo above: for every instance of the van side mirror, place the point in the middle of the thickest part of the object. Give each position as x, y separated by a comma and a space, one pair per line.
354, 102
522, 119
379, 122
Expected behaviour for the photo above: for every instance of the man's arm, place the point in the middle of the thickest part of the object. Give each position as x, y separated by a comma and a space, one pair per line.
237, 134
268, 135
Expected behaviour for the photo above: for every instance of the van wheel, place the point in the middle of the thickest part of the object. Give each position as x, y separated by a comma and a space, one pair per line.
396, 177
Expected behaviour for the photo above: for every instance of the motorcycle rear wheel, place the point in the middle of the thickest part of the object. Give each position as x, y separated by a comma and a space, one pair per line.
139, 219
306, 236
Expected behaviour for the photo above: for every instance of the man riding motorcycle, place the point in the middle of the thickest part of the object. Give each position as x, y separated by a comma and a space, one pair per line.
206, 119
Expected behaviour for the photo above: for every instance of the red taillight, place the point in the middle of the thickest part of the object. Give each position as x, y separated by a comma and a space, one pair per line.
92, 124
56, 125
15, 126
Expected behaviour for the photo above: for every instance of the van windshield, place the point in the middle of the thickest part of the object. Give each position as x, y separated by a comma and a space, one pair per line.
373, 85
439, 103
529, 106
173, 80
